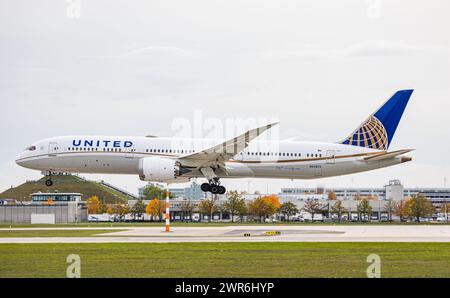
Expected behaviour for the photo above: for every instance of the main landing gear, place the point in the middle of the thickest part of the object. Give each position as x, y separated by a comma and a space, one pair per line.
214, 187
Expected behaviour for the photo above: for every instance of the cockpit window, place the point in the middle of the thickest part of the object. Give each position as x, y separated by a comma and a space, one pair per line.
31, 148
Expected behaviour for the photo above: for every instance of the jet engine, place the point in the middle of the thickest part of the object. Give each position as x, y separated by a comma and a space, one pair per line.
160, 169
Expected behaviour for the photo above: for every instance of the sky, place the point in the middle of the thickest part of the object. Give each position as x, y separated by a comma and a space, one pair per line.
320, 67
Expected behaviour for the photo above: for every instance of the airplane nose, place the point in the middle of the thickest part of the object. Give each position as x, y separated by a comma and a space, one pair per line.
19, 160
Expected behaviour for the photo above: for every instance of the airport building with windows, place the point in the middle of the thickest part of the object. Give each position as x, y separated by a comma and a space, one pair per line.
394, 190
45, 208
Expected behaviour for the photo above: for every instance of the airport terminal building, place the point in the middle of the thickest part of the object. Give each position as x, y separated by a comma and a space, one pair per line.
45, 208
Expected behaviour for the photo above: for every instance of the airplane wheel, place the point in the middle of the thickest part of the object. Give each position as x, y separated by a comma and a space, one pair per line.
48, 182
215, 189
222, 190
205, 187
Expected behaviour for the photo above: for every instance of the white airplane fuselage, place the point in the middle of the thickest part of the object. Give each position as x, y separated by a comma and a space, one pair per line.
265, 159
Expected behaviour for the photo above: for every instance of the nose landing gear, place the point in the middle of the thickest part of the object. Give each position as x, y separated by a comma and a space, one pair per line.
49, 181
214, 187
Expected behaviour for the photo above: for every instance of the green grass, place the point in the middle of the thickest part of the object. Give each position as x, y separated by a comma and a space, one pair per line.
226, 259
52, 233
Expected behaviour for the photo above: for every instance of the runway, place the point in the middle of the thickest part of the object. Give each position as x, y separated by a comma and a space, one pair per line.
246, 233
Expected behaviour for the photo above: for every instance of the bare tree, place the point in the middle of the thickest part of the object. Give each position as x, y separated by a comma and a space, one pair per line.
186, 207
390, 208
313, 207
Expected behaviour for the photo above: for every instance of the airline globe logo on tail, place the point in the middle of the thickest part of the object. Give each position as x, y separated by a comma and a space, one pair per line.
378, 130
371, 134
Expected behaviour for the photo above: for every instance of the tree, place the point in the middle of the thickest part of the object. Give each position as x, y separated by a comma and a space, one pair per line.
273, 202
186, 208
138, 209
263, 207
288, 209
364, 208
332, 196
235, 202
357, 197
150, 192
400, 210
49, 202
389, 207
242, 210
313, 207
153, 208
207, 206
121, 210
419, 206
258, 208
445, 209
93, 205
338, 209
161, 209
103, 208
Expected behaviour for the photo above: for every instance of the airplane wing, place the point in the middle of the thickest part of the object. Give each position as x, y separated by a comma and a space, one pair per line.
217, 155
387, 155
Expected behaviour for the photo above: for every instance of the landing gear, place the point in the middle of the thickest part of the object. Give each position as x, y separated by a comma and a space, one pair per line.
214, 187
49, 182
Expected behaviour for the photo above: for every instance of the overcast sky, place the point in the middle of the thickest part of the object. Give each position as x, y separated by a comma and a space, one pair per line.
137, 67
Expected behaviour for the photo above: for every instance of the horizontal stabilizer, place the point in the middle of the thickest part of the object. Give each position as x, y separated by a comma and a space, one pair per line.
387, 155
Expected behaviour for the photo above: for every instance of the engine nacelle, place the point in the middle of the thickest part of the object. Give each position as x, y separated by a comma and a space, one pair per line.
160, 169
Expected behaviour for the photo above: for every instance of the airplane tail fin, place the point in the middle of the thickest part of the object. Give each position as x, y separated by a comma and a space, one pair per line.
378, 130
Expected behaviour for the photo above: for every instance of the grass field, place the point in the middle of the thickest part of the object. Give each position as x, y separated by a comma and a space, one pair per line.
53, 233
226, 259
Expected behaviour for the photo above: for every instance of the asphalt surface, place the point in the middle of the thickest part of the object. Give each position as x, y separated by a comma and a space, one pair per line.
291, 233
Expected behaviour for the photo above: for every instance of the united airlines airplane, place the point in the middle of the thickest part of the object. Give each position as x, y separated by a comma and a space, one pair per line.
172, 160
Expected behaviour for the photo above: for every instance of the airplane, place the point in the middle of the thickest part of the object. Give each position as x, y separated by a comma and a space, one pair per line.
177, 160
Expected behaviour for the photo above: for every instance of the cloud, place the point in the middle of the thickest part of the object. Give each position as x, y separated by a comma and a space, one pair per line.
368, 48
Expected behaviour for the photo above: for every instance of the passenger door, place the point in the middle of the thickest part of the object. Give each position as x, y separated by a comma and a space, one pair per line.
331, 156
129, 152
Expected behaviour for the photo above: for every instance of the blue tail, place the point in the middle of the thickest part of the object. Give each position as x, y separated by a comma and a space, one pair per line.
378, 130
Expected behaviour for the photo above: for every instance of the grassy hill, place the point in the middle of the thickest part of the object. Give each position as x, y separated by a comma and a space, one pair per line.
65, 183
